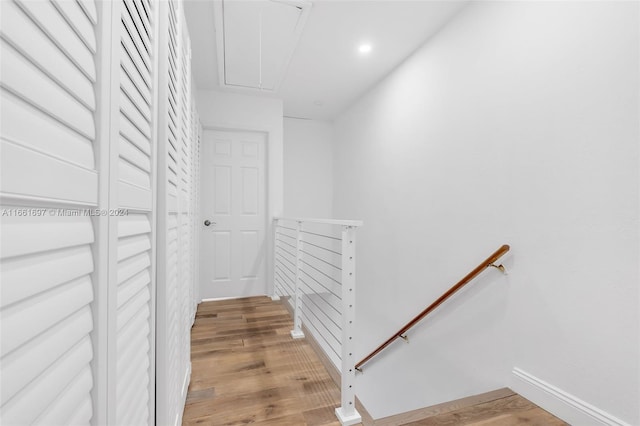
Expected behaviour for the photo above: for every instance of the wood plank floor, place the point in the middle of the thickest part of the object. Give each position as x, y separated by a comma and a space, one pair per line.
246, 369
509, 411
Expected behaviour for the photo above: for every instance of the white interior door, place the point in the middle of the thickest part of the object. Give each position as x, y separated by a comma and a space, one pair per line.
233, 262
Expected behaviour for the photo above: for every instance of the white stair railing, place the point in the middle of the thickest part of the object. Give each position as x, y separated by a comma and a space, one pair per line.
315, 272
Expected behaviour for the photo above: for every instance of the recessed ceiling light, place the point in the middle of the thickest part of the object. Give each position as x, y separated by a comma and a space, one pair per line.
365, 48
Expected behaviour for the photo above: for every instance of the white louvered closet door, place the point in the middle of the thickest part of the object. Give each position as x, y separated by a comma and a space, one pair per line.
176, 219
184, 200
175, 378
132, 252
49, 180
195, 207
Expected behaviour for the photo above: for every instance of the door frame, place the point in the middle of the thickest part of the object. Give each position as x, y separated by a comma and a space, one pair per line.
274, 193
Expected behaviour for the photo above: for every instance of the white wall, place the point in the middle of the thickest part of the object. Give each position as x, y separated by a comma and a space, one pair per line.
308, 168
231, 111
518, 124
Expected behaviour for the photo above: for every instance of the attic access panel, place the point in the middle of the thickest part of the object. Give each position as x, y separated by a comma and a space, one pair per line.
256, 40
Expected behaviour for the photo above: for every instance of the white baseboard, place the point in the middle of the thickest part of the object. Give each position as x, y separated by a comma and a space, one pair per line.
185, 383
215, 299
183, 395
560, 403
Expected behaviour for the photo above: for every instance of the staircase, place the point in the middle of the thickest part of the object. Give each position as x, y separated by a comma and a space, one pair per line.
246, 369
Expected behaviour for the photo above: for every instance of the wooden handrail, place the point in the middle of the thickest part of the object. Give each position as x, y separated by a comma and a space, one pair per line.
471, 275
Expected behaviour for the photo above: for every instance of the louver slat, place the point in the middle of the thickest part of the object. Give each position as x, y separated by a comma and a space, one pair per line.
65, 181
138, 25
30, 83
66, 405
44, 134
41, 394
64, 36
133, 319
89, 8
58, 266
24, 34
26, 364
80, 22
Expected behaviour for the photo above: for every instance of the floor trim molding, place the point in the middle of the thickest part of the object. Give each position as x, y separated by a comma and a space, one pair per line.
559, 402
183, 396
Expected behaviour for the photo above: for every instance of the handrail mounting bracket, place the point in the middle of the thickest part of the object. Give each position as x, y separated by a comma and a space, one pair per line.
498, 267
404, 337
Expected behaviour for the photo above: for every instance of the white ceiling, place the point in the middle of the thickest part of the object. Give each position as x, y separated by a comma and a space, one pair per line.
326, 72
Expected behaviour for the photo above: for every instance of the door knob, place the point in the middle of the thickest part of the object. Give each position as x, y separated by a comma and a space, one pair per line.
208, 222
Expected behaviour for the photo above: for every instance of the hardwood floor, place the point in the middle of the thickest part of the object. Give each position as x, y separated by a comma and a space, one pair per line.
246, 369
508, 411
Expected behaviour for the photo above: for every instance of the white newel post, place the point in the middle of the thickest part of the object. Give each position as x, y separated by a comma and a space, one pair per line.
297, 333
274, 236
347, 413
